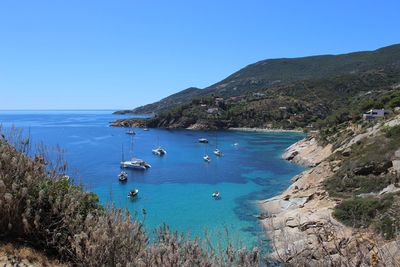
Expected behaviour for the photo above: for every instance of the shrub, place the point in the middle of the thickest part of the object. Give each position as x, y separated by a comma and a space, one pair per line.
393, 132
359, 212
387, 227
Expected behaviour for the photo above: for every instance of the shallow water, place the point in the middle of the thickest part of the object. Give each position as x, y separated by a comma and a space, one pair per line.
177, 189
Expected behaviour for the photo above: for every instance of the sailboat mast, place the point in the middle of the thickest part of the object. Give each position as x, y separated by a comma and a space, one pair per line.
132, 145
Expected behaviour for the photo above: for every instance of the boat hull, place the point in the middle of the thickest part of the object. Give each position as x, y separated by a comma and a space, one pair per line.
135, 166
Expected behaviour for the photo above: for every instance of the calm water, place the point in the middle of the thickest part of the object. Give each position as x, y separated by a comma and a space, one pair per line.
177, 189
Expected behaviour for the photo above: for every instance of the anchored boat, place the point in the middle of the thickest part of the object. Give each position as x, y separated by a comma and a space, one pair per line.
135, 163
159, 151
122, 176
130, 132
215, 195
203, 140
218, 152
207, 158
133, 193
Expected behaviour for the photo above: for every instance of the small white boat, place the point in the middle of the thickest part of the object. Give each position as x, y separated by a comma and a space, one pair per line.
145, 129
133, 193
215, 195
130, 132
203, 140
122, 176
218, 152
207, 158
159, 151
135, 163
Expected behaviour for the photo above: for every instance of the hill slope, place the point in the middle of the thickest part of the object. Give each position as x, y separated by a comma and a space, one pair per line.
277, 72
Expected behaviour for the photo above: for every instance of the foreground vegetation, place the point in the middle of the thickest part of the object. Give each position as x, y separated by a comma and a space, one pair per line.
39, 206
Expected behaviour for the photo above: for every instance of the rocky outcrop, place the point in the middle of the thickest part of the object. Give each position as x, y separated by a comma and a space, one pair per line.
299, 221
373, 168
139, 123
304, 208
307, 152
169, 123
396, 161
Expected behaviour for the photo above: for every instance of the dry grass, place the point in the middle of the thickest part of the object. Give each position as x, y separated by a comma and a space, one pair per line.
18, 255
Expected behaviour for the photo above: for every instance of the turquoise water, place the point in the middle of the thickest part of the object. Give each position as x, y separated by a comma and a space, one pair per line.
177, 189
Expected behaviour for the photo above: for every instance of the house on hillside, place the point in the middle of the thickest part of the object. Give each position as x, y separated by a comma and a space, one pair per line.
219, 100
258, 94
212, 110
374, 114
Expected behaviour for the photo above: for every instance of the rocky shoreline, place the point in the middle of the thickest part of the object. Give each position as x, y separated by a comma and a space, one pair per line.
304, 207
141, 123
299, 221
265, 130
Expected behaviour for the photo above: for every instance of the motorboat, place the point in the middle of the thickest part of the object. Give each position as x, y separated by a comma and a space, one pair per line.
203, 140
122, 176
218, 152
130, 132
135, 163
145, 129
215, 195
133, 193
207, 158
159, 151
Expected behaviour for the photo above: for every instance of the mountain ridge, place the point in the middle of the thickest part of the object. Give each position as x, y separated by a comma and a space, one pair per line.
267, 73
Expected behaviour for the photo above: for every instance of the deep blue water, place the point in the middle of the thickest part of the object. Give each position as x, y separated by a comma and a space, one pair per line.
177, 189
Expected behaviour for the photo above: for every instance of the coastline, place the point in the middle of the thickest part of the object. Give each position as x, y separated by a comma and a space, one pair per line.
299, 221
264, 130
292, 218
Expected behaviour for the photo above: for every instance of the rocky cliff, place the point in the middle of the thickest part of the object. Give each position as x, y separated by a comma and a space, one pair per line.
300, 221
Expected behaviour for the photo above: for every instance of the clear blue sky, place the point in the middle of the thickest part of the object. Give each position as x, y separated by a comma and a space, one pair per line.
80, 54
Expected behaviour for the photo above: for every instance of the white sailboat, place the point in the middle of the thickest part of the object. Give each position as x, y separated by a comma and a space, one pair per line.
133, 193
206, 157
122, 176
134, 163
159, 151
216, 195
217, 152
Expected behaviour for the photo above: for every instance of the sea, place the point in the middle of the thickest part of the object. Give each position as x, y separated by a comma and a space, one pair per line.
177, 189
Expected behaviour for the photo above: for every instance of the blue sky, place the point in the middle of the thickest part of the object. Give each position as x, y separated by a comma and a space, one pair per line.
69, 54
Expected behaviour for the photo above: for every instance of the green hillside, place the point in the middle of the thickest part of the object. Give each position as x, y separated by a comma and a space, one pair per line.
275, 73
301, 104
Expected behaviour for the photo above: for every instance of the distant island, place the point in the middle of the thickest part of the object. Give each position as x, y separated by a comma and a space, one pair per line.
287, 93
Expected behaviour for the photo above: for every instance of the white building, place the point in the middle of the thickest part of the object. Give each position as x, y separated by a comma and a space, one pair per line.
374, 113
212, 110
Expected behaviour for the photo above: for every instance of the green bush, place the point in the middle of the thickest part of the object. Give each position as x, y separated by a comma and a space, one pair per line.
344, 186
360, 212
393, 132
387, 227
